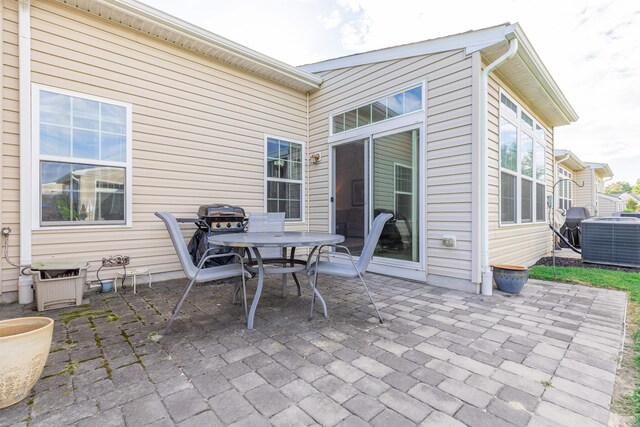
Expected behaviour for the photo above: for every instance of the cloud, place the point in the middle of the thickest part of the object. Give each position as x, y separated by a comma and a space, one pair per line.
333, 20
592, 51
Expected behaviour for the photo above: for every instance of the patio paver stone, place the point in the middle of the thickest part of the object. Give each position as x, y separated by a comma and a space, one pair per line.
547, 356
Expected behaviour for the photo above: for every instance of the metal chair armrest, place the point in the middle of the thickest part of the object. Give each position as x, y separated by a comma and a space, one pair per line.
208, 257
353, 263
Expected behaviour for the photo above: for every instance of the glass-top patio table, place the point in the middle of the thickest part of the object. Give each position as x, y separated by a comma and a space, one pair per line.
286, 239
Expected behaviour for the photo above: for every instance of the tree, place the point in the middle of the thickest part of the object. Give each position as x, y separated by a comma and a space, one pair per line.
618, 187
636, 188
632, 205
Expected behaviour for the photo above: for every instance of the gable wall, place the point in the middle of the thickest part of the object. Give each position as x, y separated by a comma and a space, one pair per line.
448, 122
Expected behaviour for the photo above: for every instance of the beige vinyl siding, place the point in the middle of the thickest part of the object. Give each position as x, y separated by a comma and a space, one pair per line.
9, 154
607, 206
448, 144
585, 196
514, 244
198, 129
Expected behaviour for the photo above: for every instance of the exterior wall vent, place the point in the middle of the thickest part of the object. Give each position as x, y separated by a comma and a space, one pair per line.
613, 241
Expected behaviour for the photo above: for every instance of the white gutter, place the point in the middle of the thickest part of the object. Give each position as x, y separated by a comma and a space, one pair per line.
24, 82
487, 278
566, 156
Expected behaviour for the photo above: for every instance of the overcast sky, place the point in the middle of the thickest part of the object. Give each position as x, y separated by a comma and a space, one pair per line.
591, 47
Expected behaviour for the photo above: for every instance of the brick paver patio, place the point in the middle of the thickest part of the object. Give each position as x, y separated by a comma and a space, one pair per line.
545, 357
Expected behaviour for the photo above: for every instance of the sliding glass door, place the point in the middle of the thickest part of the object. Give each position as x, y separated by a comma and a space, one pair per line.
350, 194
378, 175
394, 178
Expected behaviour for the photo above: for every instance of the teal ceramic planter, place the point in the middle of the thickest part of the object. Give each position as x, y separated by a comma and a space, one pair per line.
510, 278
107, 285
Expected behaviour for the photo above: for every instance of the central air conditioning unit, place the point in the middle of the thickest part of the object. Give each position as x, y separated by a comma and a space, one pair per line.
611, 241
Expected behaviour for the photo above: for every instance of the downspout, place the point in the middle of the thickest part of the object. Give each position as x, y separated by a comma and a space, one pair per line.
487, 279
308, 160
24, 84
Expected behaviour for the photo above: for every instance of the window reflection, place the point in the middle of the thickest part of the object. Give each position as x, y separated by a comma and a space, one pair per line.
392, 106
80, 192
82, 128
393, 186
284, 164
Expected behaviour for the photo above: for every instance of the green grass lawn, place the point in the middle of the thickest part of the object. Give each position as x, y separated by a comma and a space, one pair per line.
591, 276
622, 280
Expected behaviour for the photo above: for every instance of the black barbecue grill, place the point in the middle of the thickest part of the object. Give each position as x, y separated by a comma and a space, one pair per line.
214, 219
571, 229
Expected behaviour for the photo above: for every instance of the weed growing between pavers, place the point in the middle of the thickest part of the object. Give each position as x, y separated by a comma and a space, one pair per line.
69, 316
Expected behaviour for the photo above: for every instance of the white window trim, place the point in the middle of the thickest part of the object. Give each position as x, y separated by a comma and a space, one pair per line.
395, 177
294, 181
564, 173
371, 127
515, 119
36, 158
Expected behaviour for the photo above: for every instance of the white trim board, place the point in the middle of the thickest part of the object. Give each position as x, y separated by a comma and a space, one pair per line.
470, 41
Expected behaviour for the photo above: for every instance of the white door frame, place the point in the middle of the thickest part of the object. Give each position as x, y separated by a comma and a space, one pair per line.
387, 266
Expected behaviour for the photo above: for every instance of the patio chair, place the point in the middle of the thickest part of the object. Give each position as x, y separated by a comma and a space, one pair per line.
271, 222
353, 270
198, 274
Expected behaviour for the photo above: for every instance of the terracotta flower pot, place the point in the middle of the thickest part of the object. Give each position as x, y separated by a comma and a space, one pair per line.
510, 278
24, 346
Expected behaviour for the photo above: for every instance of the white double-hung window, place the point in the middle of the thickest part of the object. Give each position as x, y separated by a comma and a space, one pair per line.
564, 189
284, 172
522, 165
82, 155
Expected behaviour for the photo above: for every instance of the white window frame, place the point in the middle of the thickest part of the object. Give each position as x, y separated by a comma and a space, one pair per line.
396, 165
565, 189
37, 158
293, 181
515, 119
372, 126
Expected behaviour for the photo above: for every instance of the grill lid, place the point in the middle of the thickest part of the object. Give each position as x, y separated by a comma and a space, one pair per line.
220, 211
575, 216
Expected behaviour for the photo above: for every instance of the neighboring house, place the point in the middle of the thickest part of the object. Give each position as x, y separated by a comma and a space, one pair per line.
591, 177
608, 205
113, 110
625, 197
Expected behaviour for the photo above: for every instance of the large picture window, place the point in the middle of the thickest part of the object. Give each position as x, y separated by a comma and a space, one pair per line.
522, 165
284, 177
82, 147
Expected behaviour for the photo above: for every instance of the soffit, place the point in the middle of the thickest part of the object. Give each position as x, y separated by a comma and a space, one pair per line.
569, 160
155, 23
528, 77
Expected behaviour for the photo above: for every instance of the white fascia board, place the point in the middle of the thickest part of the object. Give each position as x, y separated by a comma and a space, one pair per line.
470, 41
530, 58
147, 13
